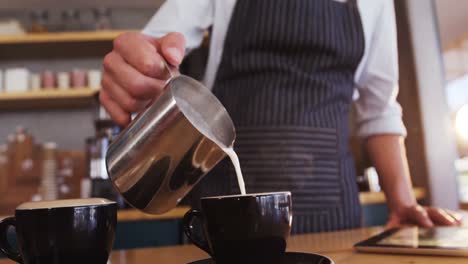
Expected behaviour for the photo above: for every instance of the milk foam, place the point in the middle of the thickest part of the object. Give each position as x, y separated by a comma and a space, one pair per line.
248, 195
63, 203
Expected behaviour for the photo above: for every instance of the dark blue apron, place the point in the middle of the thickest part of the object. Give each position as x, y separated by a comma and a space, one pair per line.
286, 77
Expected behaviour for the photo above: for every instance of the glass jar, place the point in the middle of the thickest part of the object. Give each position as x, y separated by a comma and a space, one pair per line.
39, 21
102, 17
71, 20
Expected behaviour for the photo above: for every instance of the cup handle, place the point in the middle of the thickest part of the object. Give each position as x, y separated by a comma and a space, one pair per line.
5, 246
200, 242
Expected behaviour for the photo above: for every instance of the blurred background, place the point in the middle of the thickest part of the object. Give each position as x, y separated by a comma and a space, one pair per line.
54, 133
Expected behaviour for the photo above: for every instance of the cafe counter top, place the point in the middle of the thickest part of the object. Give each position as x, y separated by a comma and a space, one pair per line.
336, 245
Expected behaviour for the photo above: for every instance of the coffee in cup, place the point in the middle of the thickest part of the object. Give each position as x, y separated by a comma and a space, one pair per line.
74, 231
250, 228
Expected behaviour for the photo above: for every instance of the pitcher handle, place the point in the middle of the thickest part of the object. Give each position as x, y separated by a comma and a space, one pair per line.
172, 71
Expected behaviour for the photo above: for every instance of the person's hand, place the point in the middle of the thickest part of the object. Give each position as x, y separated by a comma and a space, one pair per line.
423, 217
134, 72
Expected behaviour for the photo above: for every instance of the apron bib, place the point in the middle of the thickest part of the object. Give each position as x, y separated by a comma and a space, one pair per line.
286, 78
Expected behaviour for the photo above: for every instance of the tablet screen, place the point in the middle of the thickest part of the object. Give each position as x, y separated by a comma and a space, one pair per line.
439, 237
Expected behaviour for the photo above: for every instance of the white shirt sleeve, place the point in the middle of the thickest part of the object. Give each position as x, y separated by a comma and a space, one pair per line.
191, 18
377, 110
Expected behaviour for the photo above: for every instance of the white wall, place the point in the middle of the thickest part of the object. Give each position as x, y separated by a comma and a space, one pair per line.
440, 146
453, 19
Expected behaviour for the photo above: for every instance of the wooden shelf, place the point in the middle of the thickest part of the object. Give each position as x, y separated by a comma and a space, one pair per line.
48, 46
88, 36
379, 197
47, 99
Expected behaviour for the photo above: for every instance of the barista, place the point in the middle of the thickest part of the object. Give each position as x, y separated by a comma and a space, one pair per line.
286, 72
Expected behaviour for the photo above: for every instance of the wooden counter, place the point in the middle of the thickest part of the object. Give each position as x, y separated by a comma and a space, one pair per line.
379, 197
336, 245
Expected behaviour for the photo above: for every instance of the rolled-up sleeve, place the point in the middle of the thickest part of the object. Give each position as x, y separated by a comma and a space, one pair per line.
377, 110
191, 18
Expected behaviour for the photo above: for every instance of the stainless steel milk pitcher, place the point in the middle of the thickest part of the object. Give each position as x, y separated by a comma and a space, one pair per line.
163, 153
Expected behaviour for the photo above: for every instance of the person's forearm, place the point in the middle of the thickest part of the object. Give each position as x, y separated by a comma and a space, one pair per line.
388, 155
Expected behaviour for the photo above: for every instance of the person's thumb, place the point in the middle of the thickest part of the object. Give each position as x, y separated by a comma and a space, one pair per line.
172, 47
393, 221
419, 216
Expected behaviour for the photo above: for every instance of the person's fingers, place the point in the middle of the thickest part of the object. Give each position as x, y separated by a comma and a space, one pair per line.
419, 216
172, 47
441, 217
120, 116
457, 216
136, 49
121, 97
133, 82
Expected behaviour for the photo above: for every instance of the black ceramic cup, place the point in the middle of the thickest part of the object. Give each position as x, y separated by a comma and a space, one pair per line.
77, 231
249, 228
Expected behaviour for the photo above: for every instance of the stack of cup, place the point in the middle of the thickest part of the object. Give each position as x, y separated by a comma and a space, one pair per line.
1, 81
78, 78
49, 190
63, 80
48, 80
35, 82
16, 80
94, 79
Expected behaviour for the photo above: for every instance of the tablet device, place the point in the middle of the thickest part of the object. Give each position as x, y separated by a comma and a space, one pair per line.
448, 241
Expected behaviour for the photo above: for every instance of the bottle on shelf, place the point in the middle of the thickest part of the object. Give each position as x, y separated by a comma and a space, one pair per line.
48, 79
96, 148
102, 17
71, 20
63, 80
35, 82
78, 78
39, 21
100, 185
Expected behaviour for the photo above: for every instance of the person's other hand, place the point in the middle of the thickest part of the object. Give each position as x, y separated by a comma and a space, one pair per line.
423, 217
134, 72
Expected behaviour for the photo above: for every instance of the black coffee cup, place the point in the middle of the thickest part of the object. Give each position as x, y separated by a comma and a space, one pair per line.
76, 231
249, 228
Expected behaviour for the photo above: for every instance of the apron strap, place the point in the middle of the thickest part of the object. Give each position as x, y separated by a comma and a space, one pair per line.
353, 3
